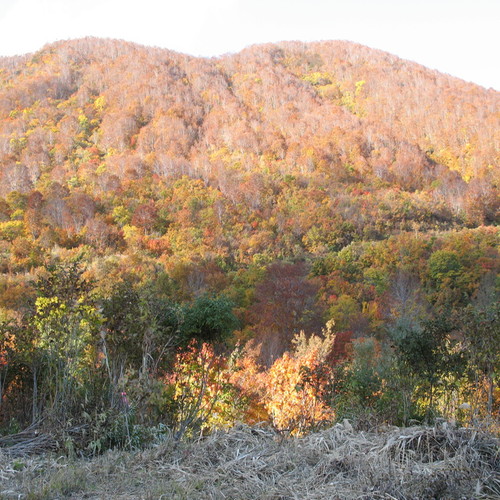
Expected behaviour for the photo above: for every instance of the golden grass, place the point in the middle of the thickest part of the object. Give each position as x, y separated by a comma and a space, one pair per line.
255, 463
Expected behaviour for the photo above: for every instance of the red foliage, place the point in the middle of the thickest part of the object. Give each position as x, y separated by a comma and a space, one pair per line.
285, 304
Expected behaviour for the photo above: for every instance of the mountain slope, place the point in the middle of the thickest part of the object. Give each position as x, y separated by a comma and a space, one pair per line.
328, 112
151, 200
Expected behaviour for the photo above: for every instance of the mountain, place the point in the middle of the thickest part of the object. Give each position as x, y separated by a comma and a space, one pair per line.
283, 151
332, 115
324, 215
290, 151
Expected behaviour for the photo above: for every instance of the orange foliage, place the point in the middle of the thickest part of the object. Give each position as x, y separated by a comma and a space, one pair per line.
249, 376
292, 393
228, 175
295, 388
202, 393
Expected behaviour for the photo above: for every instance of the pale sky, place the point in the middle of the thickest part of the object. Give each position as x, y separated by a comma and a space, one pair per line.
459, 37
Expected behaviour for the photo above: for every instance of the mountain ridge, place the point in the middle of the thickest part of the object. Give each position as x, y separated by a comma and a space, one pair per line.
321, 92
248, 47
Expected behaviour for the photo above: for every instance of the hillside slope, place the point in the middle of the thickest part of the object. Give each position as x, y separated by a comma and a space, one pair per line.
331, 114
152, 201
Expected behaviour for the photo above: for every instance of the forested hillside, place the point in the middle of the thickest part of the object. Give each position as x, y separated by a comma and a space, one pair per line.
296, 233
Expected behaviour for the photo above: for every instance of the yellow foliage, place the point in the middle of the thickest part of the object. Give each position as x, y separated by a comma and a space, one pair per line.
100, 103
318, 79
359, 87
202, 391
12, 229
295, 386
297, 383
131, 233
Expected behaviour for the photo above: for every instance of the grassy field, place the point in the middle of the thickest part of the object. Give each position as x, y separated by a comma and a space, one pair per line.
438, 462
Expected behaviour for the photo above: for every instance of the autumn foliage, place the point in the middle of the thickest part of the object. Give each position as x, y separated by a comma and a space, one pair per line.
297, 386
201, 392
182, 229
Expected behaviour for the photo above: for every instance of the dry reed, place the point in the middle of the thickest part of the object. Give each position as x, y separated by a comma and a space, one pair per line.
440, 462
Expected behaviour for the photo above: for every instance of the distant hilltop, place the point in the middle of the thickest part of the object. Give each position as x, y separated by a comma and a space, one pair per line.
332, 113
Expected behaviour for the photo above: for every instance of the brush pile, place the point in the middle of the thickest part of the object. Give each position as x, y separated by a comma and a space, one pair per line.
36, 440
254, 463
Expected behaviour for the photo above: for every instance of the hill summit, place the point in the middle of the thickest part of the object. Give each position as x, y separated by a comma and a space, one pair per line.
330, 115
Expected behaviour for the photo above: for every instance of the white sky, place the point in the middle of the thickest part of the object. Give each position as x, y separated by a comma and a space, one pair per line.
459, 37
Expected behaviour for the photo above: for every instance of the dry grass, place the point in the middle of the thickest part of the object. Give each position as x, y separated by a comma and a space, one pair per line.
253, 463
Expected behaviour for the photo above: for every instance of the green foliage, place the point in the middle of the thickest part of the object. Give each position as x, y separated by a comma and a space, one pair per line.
369, 388
481, 328
367, 370
209, 319
65, 281
428, 352
141, 326
65, 328
444, 266
343, 311
118, 428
